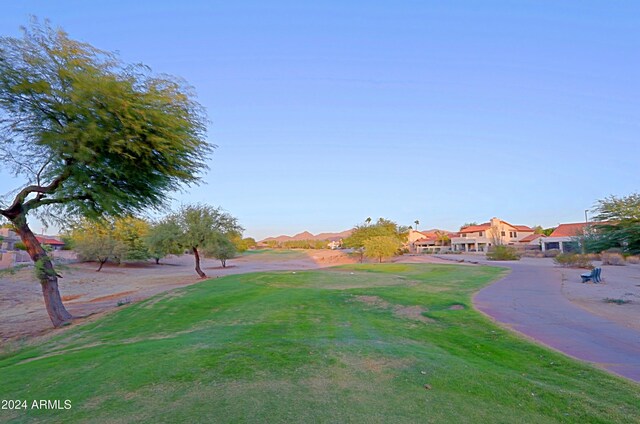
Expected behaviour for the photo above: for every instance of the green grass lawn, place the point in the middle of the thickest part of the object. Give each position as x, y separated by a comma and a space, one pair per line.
267, 255
356, 343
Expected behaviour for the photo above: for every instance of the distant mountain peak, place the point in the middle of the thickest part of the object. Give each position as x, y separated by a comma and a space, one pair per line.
306, 235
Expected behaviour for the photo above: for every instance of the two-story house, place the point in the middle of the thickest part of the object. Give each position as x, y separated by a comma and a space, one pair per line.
478, 238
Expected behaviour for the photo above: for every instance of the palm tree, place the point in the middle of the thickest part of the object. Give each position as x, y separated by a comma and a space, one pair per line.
417, 223
442, 237
368, 220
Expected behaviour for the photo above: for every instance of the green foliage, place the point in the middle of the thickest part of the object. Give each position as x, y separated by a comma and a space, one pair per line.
68, 242
121, 239
162, 239
106, 137
304, 244
201, 225
19, 245
197, 227
222, 249
272, 244
503, 253
382, 228
95, 241
130, 232
573, 260
467, 224
242, 244
619, 225
381, 247
545, 231
246, 243
41, 270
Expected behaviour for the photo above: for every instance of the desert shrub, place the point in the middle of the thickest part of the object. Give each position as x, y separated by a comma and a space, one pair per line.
551, 253
573, 260
612, 258
503, 253
593, 256
633, 259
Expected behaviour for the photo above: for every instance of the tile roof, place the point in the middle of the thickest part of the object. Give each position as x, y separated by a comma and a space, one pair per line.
522, 228
569, 230
475, 228
487, 225
531, 237
51, 241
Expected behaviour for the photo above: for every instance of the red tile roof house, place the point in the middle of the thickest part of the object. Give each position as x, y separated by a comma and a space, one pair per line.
55, 244
478, 238
430, 241
564, 237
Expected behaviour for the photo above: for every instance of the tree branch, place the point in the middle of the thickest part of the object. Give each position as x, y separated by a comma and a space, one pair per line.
19, 204
38, 201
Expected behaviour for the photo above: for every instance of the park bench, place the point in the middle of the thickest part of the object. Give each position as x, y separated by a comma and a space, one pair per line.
594, 275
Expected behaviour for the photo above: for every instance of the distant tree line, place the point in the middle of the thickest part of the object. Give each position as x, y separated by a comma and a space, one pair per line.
297, 244
198, 229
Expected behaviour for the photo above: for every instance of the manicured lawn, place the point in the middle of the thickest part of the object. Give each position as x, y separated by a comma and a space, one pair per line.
356, 343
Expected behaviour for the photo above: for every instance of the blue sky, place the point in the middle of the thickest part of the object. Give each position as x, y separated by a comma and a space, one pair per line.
446, 112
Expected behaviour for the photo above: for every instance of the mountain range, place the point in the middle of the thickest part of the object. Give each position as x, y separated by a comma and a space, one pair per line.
306, 235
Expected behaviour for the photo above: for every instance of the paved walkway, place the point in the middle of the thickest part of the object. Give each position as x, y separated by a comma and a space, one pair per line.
529, 300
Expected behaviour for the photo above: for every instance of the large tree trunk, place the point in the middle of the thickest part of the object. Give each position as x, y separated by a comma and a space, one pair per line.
44, 271
198, 270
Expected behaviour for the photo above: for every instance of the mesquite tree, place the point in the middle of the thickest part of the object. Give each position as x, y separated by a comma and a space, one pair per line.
197, 228
89, 136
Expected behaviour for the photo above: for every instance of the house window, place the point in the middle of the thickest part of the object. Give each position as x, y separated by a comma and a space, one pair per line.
464, 235
503, 233
481, 234
513, 234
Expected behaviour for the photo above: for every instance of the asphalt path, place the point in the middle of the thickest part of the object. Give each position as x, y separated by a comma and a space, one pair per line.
529, 300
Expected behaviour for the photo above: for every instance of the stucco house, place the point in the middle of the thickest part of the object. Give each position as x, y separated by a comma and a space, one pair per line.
9, 239
564, 237
431, 241
478, 238
53, 243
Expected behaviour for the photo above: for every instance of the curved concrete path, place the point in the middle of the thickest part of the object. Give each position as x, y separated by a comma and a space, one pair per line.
529, 300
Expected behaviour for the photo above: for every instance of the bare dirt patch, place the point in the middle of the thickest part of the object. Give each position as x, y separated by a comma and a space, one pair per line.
114, 296
456, 307
411, 312
377, 365
620, 284
373, 301
71, 297
414, 312
87, 292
